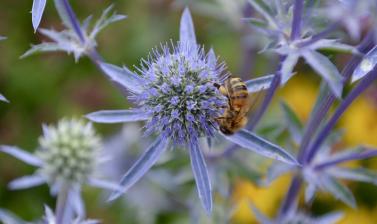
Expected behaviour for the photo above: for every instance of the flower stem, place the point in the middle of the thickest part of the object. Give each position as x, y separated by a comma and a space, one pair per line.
291, 196
318, 115
62, 204
360, 88
73, 20
296, 22
325, 100
268, 99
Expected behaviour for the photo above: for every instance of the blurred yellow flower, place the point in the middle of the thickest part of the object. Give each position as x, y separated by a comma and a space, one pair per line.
266, 199
358, 216
360, 123
300, 94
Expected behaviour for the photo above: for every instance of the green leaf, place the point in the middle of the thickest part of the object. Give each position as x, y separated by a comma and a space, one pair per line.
105, 20
294, 124
255, 22
10, 218
264, 10
324, 67
337, 189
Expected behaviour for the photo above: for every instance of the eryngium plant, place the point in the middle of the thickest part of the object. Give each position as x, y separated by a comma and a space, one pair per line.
67, 158
175, 94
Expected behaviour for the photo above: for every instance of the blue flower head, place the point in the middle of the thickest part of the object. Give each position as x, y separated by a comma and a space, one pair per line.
176, 96
178, 82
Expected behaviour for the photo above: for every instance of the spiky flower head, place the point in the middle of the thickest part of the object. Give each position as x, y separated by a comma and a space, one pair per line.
69, 151
180, 92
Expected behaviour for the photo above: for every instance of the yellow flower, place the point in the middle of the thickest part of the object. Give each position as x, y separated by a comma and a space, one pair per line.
360, 123
359, 216
300, 94
266, 199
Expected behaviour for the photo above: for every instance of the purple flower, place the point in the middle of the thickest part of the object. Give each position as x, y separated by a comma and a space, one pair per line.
190, 75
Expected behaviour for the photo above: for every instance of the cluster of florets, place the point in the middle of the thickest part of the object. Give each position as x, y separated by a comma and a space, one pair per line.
180, 93
69, 151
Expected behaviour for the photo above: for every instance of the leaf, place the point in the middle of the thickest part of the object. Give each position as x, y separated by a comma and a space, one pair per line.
337, 189
257, 23
258, 84
261, 146
105, 20
326, 69
37, 12
358, 153
2, 98
366, 65
21, 155
117, 116
203, 184
264, 10
187, 32
261, 218
294, 124
104, 184
43, 47
10, 218
310, 191
141, 166
124, 77
333, 45
287, 67
276, 170
26, 182
358, 174
330, 218
64, 16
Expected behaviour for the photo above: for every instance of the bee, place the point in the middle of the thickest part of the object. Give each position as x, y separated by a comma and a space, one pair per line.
234, 116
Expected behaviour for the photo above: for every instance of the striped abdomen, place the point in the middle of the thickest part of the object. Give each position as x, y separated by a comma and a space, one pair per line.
237, 93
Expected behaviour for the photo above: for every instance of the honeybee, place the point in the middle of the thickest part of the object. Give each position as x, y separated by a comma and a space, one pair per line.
234, 117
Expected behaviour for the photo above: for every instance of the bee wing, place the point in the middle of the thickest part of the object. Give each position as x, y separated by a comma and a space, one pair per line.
254, 102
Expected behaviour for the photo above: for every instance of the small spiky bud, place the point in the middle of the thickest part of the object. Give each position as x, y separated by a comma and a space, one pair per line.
69, 151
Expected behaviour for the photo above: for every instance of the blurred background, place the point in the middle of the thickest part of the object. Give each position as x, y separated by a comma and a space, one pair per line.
46, 87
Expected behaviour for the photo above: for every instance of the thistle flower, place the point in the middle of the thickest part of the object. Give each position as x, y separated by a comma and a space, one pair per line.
76, 40
66, 159
291, 39
352, 14
175, 94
